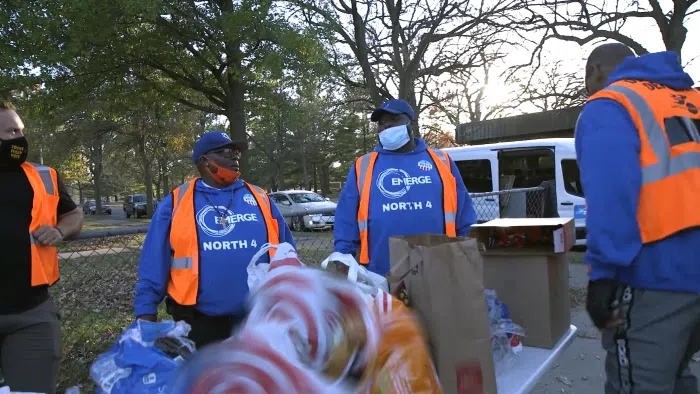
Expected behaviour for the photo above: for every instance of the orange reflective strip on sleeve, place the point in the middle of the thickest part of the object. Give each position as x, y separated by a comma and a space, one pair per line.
273, 230
364, 167
449, 191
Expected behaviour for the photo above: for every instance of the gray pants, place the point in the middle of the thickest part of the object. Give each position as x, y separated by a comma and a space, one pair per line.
30, 349
651, 351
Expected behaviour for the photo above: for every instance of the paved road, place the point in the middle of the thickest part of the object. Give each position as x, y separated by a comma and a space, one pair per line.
117, 212
580, 369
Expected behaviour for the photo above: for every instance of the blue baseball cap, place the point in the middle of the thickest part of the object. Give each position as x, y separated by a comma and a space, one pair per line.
393, 106
213, 140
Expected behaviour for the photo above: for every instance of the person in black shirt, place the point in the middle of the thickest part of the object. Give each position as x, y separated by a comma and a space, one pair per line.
36, 215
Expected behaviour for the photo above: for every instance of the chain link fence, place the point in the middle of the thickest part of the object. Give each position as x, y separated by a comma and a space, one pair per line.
99, 273
528, 202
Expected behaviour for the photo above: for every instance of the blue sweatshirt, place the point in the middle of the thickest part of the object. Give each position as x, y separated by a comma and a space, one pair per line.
224, 254
405, 199
607, 149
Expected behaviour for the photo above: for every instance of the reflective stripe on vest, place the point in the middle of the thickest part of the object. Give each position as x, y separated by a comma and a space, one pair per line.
364, 168
667, 201
656, 137
183, 285
44, 183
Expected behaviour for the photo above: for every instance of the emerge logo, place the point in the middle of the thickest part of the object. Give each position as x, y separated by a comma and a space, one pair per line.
210, 222
394, 183
425, 165
250, 200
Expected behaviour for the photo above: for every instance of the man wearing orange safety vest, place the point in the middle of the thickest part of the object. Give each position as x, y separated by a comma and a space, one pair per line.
36, 213
200, 241
401, 188
638, 147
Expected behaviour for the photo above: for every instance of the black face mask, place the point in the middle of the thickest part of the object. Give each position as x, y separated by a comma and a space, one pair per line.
13, 152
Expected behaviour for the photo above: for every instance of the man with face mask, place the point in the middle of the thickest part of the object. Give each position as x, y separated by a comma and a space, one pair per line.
401, 188
200, 241
36, 214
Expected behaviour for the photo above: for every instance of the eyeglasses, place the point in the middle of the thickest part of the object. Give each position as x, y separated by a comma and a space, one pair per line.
225, 151
396, 120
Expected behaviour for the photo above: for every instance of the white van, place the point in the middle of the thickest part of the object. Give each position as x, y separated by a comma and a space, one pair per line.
489, 168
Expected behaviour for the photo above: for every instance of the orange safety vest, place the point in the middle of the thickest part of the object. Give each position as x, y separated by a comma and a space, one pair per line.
364, 167
668, 201
183, 285
44, 183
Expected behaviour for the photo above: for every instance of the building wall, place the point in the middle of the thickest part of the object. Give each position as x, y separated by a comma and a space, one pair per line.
557, 123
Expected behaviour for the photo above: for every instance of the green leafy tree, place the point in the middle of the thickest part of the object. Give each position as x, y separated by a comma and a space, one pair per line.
208, 55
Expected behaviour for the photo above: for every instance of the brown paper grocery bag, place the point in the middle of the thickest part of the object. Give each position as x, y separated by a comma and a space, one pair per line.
443, 279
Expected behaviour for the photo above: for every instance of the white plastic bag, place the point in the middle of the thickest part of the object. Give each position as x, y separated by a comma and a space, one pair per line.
368, 281
284, 255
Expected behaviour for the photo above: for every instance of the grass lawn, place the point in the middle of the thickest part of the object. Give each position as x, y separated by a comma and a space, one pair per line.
96, 290
94, 296
106, 222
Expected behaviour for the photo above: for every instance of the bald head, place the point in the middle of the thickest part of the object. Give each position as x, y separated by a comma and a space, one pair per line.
602, 62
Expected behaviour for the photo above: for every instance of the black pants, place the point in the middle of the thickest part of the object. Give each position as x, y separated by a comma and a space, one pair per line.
30, 348
205, 329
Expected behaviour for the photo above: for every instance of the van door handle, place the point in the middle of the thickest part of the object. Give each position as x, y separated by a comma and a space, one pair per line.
567, 203
490, 199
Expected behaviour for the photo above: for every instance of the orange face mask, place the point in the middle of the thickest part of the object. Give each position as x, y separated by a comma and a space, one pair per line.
221, 175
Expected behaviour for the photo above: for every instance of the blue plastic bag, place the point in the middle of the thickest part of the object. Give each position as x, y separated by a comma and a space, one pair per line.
505, 334
135, 364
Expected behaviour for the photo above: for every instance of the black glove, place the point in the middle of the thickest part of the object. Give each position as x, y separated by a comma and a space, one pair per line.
172, 347
599, 301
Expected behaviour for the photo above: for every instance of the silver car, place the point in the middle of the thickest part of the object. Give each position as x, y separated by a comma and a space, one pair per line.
305, 210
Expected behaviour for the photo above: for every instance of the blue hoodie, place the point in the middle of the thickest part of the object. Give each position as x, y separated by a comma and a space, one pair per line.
607, 149
396, 209
224, 254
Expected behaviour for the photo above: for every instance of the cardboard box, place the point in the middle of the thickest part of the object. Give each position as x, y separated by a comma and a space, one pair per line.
526, 262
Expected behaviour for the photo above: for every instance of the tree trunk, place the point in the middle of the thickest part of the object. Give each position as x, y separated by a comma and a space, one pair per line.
166, 178
407, 91
147, 174
325, 180
365, 146
280, 152
237, 119
315, 177
96, 166
159, 182
305, 168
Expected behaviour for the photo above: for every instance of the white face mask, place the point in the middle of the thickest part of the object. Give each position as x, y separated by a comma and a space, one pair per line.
395, 137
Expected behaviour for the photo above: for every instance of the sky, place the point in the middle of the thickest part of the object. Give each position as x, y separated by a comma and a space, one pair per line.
642, 30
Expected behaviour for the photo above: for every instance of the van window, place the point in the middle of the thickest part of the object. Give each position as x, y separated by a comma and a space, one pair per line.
572, 178
476, 175
526, 167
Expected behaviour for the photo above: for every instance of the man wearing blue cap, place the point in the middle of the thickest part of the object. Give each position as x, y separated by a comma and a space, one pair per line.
201, 240
401, 188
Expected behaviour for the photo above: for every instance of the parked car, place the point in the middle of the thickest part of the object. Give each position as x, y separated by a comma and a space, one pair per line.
89, 208
135, 205
294, 205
